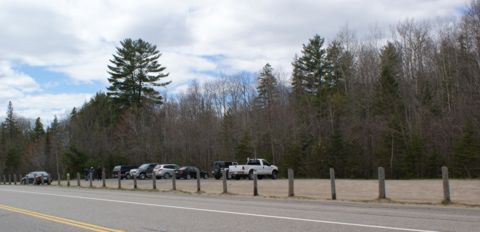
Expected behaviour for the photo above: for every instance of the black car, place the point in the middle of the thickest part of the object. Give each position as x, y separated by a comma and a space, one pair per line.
189, 172
219, 166
145, 170
124, 171
36, 178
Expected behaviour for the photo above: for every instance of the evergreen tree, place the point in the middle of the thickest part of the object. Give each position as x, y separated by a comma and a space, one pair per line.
467, 153
338, 67
309, 69
12, 141
389, 107
38, 130
135, 73
267, 87
244, 149
11, 123
388, 99
267, 94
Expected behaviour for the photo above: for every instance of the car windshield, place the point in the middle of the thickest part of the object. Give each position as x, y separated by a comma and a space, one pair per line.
183, 168
143, 166
116, 168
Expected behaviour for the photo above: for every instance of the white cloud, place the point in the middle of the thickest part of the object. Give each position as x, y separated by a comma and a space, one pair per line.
14, 81
29, 100
49, 105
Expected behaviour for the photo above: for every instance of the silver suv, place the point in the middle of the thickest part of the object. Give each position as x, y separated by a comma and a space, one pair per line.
165, 170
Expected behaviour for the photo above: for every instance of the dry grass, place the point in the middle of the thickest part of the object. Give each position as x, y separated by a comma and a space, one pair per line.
466, 192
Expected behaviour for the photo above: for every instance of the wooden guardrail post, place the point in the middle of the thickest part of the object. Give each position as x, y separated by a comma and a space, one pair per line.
198, 180
224, 180
68, 179
290, 183
90, 179
15, 178
10, 179
58, 179
78, 179
4, 179
255, 185
154, 180
120, 179
381, 183
174, 179
104, 184
41, 180
332, 184
446, 186
134, 181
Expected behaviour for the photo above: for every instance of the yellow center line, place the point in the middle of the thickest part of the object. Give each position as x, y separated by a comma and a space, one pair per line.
65, 221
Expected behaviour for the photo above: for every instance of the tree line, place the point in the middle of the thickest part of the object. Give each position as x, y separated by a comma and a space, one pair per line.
410, 104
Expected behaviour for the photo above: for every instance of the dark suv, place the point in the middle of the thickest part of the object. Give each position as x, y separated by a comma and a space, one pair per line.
219, 166
145, 170
36, 178
124, 171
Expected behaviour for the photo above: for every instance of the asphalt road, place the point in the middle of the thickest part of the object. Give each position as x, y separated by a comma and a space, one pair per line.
49, 208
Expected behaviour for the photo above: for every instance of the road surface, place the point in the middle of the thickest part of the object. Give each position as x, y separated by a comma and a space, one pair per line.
49, 208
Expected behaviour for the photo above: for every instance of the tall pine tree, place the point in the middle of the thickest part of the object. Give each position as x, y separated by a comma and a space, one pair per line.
309, 69
135, 73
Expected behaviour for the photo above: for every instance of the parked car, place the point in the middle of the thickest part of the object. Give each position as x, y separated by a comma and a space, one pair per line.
145, 170
165, 170
219, 166
260, 166
131, 173
189, 172
36, 178
124, 171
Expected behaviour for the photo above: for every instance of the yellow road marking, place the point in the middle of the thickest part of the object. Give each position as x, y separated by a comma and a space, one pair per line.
65, 221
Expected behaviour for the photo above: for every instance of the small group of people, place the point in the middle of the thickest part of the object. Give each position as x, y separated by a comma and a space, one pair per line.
95, 173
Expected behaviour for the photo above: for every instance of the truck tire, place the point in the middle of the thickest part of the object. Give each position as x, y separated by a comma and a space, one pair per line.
274, 175
250, 175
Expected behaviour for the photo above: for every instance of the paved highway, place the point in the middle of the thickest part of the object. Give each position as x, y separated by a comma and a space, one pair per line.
42, 208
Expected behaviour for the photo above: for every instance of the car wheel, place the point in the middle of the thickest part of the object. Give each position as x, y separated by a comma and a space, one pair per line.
250, 175
274, 175
167, 175
128, 176
188, 177
205, 176
142, 176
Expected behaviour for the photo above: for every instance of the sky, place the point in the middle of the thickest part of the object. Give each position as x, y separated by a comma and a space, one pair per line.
54, 54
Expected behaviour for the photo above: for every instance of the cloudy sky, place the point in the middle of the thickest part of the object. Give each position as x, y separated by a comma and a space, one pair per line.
53, 54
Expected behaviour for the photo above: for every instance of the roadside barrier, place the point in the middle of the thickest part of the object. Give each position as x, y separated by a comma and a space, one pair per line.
7, 179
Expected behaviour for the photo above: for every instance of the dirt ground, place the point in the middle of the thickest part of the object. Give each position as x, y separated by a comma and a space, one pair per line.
465, 192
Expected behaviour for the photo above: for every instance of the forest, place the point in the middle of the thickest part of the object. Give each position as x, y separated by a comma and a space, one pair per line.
409, 103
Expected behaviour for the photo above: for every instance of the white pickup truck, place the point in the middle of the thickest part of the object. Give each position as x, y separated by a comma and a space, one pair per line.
260, 166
